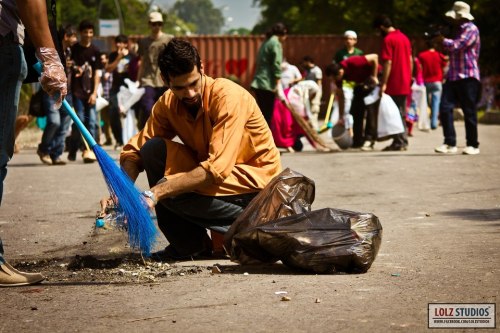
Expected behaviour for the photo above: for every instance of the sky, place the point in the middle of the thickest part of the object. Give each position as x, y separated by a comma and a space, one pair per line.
238, 13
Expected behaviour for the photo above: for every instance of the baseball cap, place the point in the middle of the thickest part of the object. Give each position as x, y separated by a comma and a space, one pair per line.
350, 33
155, 17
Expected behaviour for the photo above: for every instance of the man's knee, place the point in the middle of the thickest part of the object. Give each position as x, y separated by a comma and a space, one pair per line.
154, 148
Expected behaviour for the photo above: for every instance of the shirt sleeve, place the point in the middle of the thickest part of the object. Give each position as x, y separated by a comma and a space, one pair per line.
228, 131
467, 37
386, 52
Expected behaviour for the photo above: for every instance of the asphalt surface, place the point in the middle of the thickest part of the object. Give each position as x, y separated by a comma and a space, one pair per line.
441, 244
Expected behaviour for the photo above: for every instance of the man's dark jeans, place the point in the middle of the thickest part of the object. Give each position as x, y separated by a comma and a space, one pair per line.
464, 93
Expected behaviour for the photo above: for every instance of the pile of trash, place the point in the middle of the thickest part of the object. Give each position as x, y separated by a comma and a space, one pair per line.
279, 225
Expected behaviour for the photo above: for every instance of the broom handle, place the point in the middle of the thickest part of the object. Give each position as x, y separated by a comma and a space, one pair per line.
69, 110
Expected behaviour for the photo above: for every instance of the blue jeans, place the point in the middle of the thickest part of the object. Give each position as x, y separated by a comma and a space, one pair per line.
400, 140
147, 101
184, 219
13, 70
56, 128
465, 93
88, 115
434, 91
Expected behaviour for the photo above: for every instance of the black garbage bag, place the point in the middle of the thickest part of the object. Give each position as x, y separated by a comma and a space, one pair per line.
287, 194
279, 225
324, 241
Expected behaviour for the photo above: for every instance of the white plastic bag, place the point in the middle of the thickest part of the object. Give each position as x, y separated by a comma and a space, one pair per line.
128, 96
389, 118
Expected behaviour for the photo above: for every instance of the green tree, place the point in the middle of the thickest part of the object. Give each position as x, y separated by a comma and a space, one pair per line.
201, 13
411, 16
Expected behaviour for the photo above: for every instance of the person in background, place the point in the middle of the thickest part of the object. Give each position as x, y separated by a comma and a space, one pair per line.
106, 81
396, 60
290, 75
226, 157
463, 82
313, 73
363, 71
54, 134
16, 17
266, 83
149, 75
349, 50
84, 85
433, 63
118, 65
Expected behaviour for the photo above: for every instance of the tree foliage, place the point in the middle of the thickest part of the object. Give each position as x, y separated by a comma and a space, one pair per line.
202, 13
411, 16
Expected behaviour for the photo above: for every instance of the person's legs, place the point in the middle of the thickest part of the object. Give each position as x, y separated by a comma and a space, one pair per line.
434, 90
358, 117
13, 70
371, 122
265, 101
115, 120
57, 146
183, 226
146, 104
91, 117
75, 139
468, 93
400, 141
2, 260
53, 123
448, 102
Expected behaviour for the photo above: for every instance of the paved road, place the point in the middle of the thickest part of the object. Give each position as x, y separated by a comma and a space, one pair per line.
441, 243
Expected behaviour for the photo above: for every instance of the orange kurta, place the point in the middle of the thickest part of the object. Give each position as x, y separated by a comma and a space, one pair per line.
229, 138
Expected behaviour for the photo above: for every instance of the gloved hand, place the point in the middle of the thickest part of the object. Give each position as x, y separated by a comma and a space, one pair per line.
53, 78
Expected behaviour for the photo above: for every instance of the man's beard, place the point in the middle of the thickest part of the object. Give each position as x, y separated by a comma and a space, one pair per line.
193, 105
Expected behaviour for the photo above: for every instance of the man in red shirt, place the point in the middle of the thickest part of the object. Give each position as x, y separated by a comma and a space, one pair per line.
362, 70
433, 62
397, 63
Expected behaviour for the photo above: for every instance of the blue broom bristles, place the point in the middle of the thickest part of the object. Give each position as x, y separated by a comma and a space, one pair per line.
142, 231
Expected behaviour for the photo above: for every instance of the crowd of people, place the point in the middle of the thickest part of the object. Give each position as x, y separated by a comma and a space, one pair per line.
436, 79
228, 137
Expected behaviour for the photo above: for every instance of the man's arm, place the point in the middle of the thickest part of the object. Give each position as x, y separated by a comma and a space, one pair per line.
53, 77
386, 71
373, 61
192, 180
36, 25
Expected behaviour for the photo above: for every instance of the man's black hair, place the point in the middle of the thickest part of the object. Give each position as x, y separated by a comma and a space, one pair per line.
178, 57
333, 69
308, 59
86, 24
382, 20
121, 39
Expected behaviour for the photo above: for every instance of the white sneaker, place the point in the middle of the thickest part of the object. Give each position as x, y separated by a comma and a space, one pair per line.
367, 146
469, 150
446, 149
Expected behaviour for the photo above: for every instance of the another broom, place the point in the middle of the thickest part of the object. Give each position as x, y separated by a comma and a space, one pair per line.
142, 231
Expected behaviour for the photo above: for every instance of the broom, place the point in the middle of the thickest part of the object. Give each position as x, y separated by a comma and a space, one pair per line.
142, 232
328, 124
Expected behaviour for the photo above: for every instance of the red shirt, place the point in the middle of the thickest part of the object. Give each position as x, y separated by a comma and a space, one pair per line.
432, 63
396, 47
356, 68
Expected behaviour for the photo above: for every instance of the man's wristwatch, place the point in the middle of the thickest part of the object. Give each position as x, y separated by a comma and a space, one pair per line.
149, 194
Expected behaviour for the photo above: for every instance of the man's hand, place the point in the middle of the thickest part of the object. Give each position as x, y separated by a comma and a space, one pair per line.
53, 78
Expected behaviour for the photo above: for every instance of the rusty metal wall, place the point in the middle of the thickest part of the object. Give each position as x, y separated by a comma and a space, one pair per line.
234, 56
